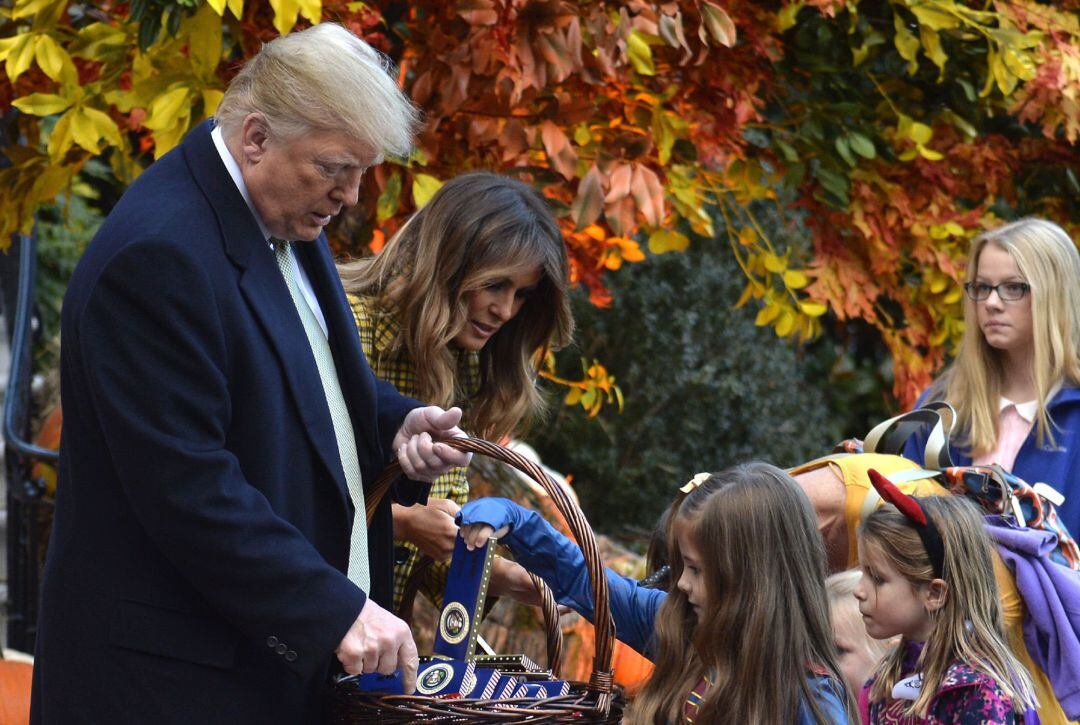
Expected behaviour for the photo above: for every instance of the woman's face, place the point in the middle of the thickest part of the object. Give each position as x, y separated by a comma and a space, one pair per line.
1006, 325
495, 304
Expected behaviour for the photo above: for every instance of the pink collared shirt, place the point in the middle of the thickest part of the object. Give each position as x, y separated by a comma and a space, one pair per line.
1014, 424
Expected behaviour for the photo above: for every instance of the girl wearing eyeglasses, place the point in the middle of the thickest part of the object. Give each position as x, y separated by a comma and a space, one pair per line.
1015, 383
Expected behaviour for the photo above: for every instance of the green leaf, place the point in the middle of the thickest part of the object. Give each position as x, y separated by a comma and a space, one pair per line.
844, 150
788, 15
862, 145
390, 198
787, 150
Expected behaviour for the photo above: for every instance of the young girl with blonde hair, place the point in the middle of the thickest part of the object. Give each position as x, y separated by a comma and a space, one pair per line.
928, 577
858, 654
743, 634
1015, 383
458, 309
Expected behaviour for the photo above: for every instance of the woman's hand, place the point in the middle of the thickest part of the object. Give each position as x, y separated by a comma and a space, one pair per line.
430, 527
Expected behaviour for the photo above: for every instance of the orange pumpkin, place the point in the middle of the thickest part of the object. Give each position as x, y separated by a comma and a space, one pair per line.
15, 692
631, 669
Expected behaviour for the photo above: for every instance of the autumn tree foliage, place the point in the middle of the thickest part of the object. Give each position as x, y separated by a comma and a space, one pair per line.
901, 128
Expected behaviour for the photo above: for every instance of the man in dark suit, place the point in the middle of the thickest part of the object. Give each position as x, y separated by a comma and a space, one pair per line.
209, 554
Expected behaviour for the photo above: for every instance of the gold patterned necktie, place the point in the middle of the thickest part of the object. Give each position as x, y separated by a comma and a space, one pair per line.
339, 413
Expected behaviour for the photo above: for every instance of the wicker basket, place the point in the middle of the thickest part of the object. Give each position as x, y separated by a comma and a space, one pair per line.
597, 701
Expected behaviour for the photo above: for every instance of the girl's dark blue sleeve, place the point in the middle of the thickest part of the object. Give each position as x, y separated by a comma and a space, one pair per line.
541, 549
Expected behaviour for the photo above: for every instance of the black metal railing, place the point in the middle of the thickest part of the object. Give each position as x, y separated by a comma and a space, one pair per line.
29, 511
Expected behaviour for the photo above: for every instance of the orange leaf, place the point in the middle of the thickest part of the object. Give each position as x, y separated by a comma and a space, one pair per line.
648, 194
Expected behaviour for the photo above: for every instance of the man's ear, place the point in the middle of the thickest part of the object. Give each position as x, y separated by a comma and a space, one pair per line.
254, 135
937, 592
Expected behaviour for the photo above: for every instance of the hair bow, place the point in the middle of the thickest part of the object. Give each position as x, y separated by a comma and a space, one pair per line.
694, 482
913, 512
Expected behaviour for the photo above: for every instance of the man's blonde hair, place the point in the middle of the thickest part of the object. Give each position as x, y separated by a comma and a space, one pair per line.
322, 78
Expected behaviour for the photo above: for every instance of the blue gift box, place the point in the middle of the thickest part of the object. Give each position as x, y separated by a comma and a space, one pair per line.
463, 601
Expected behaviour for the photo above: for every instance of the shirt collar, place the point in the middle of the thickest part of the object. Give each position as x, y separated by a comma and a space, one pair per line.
1030, 408
237, 177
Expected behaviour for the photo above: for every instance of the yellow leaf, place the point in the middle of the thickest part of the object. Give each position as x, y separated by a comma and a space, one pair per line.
103, 125
955, 229
785, 19
83, 130
929, 154
165, 139
907, 45
6, 44
719, 23
423, 188
312, 10
204, 40
50, 56
813, 309
953, 296
931, 43
26, 8
42, 104
747, 236
667, 240
218, 6
20, 56
285, 12
573, 396
934, 18
786, 324
640, 54
920, 133
767, 314
774, 263
166, 108
211, 99
60, 138
794, 279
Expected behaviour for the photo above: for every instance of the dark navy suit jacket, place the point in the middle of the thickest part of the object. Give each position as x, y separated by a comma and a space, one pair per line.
202, 523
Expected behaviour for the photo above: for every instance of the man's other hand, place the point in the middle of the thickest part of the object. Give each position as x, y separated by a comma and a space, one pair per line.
379, 642
417, 445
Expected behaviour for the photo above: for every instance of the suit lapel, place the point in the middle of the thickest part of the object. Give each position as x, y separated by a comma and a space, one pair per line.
266, 293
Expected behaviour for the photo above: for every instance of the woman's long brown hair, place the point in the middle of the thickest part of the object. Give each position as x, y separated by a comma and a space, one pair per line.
476, 229
766, 621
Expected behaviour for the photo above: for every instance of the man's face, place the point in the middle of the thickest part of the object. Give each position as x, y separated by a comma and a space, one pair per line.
298, 185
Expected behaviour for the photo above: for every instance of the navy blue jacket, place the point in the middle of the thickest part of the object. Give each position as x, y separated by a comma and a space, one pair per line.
195, 570
1057, 464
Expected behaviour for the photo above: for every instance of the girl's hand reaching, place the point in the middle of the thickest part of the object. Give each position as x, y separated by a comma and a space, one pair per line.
486, 517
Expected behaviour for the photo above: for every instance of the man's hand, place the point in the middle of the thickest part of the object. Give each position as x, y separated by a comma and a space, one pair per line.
379, 642
416, 444
431, 527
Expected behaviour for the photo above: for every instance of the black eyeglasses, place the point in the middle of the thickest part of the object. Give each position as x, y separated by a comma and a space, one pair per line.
1007, 291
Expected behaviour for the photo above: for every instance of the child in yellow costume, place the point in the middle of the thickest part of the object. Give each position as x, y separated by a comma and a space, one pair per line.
840, 490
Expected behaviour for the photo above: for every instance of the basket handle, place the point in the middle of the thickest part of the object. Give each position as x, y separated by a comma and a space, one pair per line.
601, 680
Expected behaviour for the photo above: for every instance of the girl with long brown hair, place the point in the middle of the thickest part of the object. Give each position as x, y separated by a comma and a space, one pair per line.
459, 308
743, 635
928, 577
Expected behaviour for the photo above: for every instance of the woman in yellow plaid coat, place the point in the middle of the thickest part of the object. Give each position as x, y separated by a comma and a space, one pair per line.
459, 309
